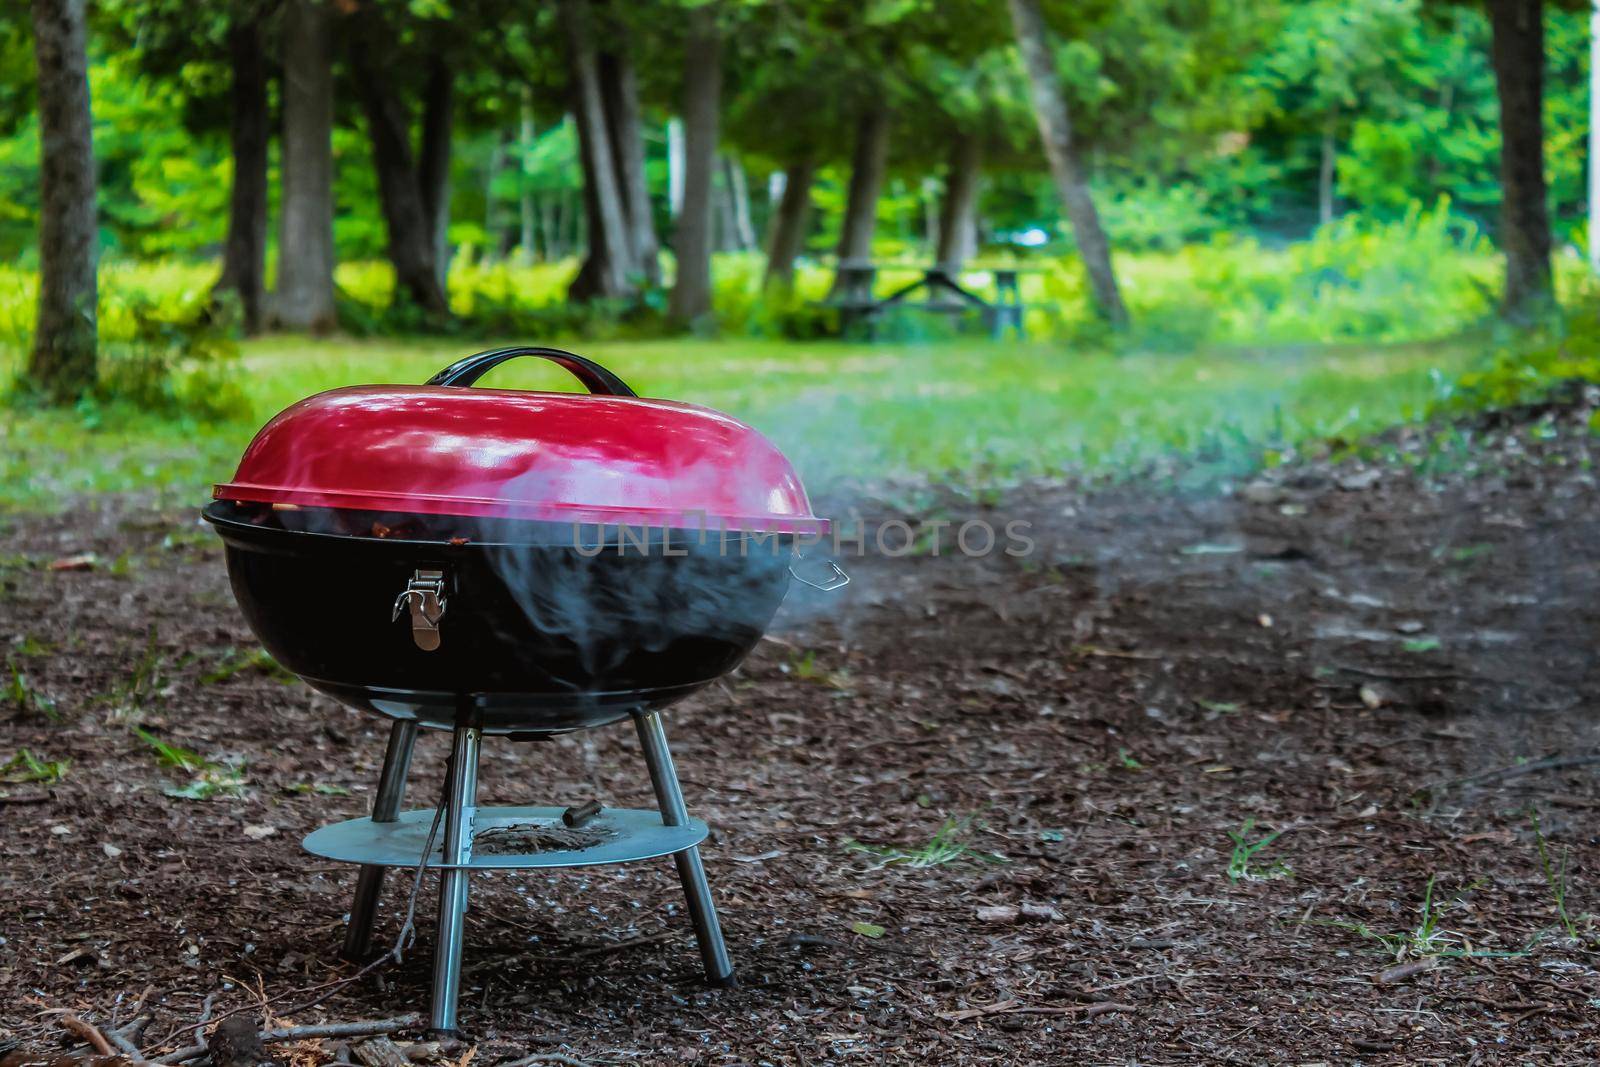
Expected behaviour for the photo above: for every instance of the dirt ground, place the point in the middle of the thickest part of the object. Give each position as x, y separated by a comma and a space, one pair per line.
1362, 659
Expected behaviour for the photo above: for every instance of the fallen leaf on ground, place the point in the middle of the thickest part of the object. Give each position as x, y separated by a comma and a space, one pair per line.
1403, 971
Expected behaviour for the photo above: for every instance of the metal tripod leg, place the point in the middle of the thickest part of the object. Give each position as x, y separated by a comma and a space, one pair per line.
669, 796
462, 807
385, 808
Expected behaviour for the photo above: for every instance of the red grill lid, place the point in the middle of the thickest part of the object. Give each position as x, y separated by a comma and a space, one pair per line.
440, 449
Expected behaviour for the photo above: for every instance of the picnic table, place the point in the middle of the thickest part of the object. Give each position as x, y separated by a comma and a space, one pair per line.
945, 295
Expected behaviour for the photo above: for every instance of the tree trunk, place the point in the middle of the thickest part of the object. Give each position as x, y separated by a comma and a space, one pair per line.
528, 230
958, 214
788, 234
1055, 129
433, 161
244, 252
1325, 175
594, 278
550, 217
62, 362
1518, 53
702, 94
304, 300
724, 228
620, 86
400, 195
739, 198
573, 222
608, 268
527, 249
867, 165
491, 209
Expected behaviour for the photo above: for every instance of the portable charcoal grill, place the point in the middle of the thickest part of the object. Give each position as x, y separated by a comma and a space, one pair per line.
516, 563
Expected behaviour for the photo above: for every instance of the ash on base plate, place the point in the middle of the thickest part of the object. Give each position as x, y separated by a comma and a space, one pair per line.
532, 837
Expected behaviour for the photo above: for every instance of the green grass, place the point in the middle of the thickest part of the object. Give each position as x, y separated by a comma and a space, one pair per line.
206, 779
972, 412
1429, 938
1555, 876
17, 691
1241, 859
26, 767
946, 846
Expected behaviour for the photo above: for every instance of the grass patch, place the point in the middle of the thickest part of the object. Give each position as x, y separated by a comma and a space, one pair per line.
1555, 876
321, 789
173, 757
26, 767
975, 414
206, 779
146, 684
1429, 938
1241, 859
805, 667
250, 661
25, 697
948, 845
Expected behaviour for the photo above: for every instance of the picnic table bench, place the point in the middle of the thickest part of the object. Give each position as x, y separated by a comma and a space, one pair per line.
945, 295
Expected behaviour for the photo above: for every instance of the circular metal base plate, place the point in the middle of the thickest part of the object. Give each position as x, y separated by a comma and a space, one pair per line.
633, 835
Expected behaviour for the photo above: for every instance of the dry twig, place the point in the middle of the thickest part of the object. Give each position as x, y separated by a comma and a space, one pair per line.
90, 1033
124, 1046
1396, 676
365, 1028
1517, 770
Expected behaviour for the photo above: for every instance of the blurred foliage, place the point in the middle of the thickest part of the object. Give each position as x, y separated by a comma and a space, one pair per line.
167, 349
1427, 274
1530, 369
178, 367
1423, 275
1198, 116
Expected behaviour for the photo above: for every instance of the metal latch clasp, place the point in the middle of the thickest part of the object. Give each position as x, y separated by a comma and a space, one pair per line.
836, 579
425, 595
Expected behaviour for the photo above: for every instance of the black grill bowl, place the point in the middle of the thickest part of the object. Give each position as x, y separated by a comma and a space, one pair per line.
538, 635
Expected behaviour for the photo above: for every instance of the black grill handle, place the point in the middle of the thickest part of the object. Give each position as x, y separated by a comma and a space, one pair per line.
596, 378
